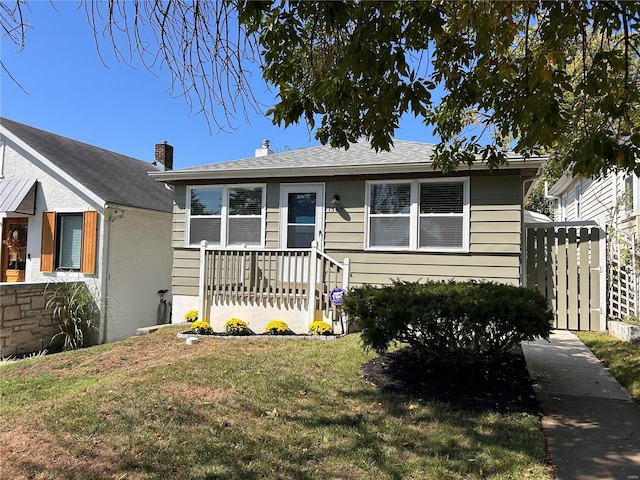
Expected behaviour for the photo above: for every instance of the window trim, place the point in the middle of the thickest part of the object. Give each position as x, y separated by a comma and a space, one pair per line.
224, 214
49, 247
415, 215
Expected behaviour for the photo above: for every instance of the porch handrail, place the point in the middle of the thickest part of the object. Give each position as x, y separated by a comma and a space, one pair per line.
290, 278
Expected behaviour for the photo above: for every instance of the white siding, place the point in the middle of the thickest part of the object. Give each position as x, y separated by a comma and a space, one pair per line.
139, 258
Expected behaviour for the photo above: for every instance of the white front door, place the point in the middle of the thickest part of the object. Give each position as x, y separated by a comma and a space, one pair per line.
301, 222
301, 215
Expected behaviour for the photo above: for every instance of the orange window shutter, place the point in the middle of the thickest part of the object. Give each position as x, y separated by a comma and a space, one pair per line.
89, 242
47, 246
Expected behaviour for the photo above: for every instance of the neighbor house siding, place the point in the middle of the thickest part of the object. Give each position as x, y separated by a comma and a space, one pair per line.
597, 199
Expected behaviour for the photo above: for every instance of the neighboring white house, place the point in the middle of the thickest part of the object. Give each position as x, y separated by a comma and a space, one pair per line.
613, 202
75, 212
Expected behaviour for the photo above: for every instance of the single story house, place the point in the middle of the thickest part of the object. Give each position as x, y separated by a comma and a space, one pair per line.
75, 212
244, 231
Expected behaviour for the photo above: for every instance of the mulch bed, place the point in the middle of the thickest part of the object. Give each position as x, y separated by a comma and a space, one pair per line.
504, 387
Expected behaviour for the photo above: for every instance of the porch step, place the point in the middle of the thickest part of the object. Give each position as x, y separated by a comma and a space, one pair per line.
153, 328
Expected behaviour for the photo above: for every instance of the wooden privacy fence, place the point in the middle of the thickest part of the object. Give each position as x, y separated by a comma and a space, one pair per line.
564, 264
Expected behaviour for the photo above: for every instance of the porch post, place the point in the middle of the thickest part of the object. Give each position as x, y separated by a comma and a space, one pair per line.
311, 288
203, 314
346, 273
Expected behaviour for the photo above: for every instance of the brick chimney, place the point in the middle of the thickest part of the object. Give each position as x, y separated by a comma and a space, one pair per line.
164, 155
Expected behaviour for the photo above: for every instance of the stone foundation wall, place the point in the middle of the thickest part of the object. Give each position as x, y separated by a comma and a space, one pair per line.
25, 324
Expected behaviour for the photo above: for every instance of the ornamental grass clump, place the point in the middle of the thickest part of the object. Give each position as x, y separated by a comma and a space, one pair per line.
191, 316
277, 327
201, 327
235, 326
76, 312
320, 328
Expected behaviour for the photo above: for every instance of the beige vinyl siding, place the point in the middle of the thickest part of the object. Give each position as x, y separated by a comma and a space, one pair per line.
179, 228
378, 268
345, 235
344, 229
496, 216
494, 252
179, 212
272, 239
186, 271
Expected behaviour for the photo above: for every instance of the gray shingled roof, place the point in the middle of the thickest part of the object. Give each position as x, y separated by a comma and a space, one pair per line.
360, 158
115, 178
358, 155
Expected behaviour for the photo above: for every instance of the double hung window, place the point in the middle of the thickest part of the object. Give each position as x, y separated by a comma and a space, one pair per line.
429, 215
226, 215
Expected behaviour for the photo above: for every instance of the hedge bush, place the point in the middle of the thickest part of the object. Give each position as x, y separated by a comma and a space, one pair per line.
461, 322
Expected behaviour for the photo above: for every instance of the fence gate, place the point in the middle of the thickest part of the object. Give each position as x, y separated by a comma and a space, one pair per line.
563, 262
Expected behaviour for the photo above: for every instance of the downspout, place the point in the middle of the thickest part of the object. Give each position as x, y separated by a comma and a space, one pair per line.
526, 185
105, 278
547, 195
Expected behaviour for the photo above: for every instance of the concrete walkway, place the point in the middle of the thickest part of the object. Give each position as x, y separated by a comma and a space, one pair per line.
591, 424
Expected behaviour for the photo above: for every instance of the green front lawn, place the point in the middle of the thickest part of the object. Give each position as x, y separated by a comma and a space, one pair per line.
621, 358
153, 407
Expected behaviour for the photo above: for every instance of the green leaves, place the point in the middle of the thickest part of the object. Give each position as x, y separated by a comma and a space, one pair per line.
549, 75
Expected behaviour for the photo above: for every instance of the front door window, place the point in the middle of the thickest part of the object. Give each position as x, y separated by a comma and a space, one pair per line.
301, 220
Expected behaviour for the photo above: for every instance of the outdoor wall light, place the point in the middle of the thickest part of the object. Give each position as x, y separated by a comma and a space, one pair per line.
335, 202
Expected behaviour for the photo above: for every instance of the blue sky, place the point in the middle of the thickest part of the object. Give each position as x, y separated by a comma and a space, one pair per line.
124, 109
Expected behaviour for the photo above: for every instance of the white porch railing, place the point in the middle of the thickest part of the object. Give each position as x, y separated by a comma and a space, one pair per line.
300, 279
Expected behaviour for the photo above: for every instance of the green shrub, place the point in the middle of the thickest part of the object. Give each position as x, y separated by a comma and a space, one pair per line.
277, 327
320, 328
191, 316
235, 326
74, 308
201, 327
460, 322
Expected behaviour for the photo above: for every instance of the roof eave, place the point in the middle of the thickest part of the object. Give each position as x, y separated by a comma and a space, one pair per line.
327, 171
563, 184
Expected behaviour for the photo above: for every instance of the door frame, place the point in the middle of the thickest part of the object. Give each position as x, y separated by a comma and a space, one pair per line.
318, 188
